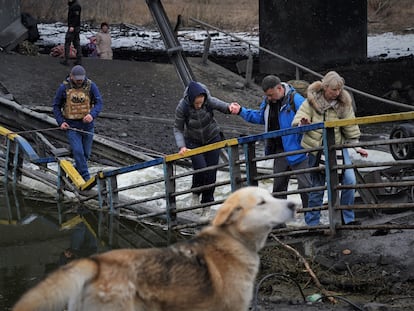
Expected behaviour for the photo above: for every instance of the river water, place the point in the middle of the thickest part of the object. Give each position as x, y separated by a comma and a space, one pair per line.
38, 234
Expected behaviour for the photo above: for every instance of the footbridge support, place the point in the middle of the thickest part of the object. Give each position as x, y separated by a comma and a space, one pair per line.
173, 46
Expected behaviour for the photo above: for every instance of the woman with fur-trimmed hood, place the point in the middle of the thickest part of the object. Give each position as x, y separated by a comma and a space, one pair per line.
328, 101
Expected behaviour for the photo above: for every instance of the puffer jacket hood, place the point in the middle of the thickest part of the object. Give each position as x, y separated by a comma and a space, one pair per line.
195, 89
197, 125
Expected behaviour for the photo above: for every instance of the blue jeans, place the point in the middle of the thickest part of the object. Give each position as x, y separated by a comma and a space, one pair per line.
203, 160
316, 197
81, 145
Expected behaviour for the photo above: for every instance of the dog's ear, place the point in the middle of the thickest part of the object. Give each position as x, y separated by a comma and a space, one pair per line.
226, 215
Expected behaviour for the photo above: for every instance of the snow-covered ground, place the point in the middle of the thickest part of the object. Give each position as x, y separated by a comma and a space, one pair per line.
383, 46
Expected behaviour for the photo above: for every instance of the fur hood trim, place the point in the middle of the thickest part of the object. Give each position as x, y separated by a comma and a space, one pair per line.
316, 99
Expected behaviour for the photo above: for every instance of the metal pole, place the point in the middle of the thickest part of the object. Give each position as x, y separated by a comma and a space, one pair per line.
249, 68
7, 160
332, 179
170, 188
15, 162
207, 44
109, 195
234, 168
251, 166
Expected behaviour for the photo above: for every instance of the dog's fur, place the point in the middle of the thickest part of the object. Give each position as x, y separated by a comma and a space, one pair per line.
213, 271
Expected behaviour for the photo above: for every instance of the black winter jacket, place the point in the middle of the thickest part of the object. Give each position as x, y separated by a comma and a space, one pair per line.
74, 14
199, 126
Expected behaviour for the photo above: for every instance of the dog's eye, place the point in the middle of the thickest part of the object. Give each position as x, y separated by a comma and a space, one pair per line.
261, 202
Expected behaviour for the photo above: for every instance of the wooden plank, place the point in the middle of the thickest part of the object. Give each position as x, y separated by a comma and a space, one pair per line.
202, 149
71, 223
27, 148
6, 132
372, 119
73, 174
89, 183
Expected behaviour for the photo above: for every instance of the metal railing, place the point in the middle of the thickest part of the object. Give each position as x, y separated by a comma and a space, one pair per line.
164, 195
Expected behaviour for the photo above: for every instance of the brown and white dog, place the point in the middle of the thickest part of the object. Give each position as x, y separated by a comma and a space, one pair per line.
213, 271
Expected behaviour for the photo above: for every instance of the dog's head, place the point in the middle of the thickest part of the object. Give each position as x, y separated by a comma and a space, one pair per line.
252, 212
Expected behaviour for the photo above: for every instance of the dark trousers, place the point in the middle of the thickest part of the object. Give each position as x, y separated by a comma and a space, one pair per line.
281, 183
73, 37
203, 160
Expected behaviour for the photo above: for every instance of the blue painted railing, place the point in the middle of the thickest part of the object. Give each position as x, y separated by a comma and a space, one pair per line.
242, 167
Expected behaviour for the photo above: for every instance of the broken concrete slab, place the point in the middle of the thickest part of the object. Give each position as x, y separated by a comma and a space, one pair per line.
12, 35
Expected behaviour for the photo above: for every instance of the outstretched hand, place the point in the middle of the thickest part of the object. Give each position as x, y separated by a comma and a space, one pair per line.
234, 108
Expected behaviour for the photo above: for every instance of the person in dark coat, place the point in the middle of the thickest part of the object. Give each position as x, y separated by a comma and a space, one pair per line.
72, 34
195, 126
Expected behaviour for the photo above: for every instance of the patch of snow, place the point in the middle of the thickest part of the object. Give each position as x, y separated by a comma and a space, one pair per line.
383, 46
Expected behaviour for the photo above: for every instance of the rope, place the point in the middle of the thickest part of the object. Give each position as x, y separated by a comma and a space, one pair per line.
149, 151
34, 131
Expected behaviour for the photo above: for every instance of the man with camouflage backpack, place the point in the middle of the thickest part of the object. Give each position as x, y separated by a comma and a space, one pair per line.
276, 112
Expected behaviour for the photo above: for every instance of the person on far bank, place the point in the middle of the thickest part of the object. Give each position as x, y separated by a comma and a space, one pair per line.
276, 112
73, 32
195, 126
327, 100
76, 105
104, 42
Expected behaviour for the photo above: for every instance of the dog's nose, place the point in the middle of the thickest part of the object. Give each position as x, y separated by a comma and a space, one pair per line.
292, 206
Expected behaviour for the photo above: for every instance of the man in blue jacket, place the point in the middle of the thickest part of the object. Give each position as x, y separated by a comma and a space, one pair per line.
76, 105
276, 112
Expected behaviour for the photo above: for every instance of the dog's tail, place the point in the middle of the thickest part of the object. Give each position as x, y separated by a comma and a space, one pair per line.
62, 287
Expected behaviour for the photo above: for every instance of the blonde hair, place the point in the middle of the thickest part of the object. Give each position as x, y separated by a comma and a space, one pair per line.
333, 80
